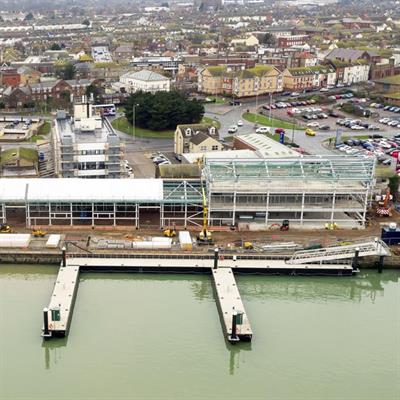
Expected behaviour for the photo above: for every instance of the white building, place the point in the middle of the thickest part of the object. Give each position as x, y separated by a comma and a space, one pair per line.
355, 73
87, 146
146, 81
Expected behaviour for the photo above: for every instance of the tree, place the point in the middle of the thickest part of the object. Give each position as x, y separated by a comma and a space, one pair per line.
269, 39
394, 182
162, 110
65, 71
93, 90
29, 17
55, 46
86, 22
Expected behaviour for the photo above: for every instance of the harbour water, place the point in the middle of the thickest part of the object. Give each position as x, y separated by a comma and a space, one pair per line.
139, 336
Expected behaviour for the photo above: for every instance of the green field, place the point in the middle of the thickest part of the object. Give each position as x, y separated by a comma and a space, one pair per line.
122, 124
23, 153
273, 122
35, 138
214, 122
44, 129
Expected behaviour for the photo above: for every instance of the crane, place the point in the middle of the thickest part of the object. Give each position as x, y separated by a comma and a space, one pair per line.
205, 236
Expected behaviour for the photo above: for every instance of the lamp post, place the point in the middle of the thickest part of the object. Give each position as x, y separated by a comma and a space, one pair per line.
134, 120
256, 81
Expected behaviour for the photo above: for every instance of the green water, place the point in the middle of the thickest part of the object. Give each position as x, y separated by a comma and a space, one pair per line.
159, 337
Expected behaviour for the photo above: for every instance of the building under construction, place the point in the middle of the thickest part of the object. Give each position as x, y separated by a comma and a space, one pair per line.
249, 193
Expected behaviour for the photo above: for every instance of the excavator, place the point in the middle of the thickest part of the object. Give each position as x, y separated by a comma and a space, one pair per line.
383, 210
205, 236
170, 232
4, 228
37, 232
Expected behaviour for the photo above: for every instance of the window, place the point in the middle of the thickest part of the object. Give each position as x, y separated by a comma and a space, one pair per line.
214, 147
203, 148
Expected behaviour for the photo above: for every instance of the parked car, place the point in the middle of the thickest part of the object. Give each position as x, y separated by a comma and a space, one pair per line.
325, 128
240, 123
235, 103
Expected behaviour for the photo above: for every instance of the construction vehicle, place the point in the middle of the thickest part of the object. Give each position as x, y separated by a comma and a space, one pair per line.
248, 246
4, 228
285, 225
383, 209
37, 232
170, 232
205, 236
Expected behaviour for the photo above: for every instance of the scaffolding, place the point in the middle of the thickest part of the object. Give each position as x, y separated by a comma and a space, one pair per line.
304, 190
253, 193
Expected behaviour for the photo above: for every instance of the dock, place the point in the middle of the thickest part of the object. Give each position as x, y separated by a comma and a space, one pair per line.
330, 261
236, 324
57, 316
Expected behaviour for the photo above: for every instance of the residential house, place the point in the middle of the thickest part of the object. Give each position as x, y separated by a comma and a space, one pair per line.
248, 41
29, 75
9, 76
123, 53
56, 90
196, 138
15, 97
348, 73
241, 83
298, 79
351, 55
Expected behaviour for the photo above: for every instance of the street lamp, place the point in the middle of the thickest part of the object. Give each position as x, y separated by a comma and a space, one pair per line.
134, 119
256, 81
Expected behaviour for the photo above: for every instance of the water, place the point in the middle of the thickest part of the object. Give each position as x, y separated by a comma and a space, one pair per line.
159, 337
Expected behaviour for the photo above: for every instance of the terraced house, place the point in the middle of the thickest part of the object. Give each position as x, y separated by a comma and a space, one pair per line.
298, 79
254, 81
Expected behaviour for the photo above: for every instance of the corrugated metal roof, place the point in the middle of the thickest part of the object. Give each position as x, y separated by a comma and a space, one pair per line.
81, 190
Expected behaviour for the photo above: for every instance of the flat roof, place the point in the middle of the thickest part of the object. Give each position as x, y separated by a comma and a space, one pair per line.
304, 168
81, 190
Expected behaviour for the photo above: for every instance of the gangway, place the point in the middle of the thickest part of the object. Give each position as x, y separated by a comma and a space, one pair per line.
374, 247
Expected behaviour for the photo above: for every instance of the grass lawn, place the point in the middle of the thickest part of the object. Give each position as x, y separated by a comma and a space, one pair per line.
273, 122
23, 153
35, 138
122, 124
214, 122
44, 129
218, 100
383, 171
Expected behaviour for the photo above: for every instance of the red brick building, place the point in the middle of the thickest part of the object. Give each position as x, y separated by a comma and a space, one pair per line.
289, 41
9, 76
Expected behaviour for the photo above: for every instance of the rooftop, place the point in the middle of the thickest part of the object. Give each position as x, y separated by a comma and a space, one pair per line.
266, 147
309, 168
85, 190
145, 75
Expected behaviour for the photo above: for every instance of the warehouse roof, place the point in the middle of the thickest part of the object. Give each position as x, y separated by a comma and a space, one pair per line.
81, 190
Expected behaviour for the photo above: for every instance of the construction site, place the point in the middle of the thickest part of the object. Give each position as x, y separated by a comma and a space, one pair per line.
231, 194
